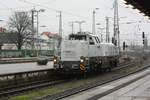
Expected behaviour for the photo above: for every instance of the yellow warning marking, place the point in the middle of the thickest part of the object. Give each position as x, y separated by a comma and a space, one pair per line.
82, 67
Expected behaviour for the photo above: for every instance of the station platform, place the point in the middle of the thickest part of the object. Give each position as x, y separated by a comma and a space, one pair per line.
23, 67
137, 90
21, 60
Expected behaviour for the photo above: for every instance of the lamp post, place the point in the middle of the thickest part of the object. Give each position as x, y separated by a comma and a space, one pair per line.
72, 26
1, 28
80, 23
0, 43
93, 22
37, 16
41, 10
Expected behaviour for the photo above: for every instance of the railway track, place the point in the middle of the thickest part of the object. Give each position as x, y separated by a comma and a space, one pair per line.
73, 91
19, 89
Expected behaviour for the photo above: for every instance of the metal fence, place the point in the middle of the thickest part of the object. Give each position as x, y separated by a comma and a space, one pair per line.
25, 53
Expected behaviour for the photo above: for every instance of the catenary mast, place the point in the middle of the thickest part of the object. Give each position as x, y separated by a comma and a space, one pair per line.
116, 25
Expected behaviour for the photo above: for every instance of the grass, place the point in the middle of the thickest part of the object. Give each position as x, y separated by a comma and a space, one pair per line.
68, 85
57, 88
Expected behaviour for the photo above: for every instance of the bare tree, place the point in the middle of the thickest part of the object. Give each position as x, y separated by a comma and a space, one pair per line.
20, 22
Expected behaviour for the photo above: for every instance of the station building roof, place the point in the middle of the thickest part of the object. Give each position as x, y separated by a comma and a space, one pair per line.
8, 38
142, 5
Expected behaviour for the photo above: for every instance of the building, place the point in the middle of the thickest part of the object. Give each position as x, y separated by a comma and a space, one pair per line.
7, 40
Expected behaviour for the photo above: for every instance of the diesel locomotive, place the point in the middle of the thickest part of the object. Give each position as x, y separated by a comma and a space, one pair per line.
84, 52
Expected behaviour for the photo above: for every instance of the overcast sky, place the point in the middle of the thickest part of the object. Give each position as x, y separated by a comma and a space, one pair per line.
77, 10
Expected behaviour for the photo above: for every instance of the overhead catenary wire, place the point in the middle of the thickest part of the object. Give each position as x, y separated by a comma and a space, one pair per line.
51, 1
6, 6
53, 9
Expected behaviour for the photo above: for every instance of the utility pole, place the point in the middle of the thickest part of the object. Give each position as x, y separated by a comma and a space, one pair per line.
60, 25
116, 26
37, 23
32, 11
93, 25
60, 34
37, 34
72, 27
38, 37
144, 40
33, 40
93, 21
107, 30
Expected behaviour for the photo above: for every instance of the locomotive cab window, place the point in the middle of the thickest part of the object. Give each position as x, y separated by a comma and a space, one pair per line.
77, 37
96, 39
91, 41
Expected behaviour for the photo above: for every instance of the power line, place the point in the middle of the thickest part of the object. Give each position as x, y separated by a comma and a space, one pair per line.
50, 1
56, 10
5, 6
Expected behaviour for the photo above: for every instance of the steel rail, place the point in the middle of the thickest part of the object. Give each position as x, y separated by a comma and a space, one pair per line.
73, 91
10, 91
22, 89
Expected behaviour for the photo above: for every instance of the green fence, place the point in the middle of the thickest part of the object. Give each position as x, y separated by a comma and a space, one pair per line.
24, 53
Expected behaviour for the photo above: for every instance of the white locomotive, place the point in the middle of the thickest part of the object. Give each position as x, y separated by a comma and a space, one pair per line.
85, 52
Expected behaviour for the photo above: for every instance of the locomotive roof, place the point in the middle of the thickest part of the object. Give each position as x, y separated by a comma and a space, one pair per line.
83, 34
107, 44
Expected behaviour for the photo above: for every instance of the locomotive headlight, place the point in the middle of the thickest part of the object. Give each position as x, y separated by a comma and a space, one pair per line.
81, 60
55, 60
100, 61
